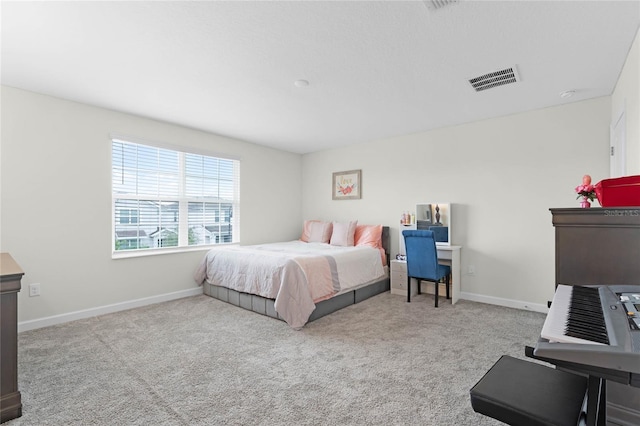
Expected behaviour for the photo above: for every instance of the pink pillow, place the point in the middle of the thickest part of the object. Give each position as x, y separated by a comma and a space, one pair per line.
316, 231
368, 235
343, 233
371, 235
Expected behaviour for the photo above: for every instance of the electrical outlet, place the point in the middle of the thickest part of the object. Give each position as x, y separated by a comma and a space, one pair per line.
34, 289
471, 270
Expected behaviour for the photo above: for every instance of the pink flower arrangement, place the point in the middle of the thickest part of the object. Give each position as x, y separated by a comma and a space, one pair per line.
345, 190
586, 190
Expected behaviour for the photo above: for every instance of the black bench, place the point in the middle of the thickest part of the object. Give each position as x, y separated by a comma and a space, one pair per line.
519, 392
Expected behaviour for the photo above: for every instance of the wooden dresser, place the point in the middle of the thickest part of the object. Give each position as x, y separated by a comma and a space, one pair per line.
601, 246
597, 245
10, 398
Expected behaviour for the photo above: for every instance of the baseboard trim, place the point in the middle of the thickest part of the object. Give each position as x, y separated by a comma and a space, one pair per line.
107, 309
130, 304
509, 303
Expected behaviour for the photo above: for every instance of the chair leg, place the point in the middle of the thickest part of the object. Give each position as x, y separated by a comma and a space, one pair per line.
437, 291
447, 282
408, 289
419, 285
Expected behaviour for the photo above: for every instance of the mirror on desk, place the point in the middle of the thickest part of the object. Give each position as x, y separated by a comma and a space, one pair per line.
435, 217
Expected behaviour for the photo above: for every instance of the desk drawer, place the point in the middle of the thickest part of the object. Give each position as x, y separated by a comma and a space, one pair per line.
444, 254
399, 282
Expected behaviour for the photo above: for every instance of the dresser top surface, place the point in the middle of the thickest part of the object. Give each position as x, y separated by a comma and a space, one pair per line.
8, 266
598, 216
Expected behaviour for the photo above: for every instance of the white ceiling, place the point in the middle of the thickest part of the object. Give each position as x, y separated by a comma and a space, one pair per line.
376, 69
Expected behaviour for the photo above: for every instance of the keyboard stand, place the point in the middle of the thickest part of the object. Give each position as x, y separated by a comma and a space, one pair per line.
594, 410
596, 413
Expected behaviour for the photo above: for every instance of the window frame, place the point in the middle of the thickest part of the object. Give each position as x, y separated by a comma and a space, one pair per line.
181, 199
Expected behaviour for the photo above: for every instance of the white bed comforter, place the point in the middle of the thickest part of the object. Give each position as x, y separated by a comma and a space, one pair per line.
296, 274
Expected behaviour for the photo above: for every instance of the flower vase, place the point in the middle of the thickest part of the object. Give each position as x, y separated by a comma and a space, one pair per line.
585, 204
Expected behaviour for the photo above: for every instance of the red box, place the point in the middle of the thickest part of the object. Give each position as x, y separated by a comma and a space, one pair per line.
619, 192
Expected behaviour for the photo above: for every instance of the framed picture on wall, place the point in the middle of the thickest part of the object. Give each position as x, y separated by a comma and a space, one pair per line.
347, 185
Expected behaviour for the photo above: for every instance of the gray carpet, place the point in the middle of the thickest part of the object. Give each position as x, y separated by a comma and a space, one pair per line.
200, 361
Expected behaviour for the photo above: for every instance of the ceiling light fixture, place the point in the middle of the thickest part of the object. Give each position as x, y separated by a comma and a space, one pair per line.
567, 94
301, 83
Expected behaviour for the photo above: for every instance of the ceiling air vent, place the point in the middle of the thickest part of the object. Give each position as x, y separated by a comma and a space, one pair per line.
495, 79
437, 4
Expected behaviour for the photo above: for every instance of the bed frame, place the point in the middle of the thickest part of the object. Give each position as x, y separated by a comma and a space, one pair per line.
266, 307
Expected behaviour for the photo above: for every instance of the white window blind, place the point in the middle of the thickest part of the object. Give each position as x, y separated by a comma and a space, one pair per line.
164, 198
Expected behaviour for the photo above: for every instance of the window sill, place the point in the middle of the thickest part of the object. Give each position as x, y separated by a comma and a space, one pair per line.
126, 254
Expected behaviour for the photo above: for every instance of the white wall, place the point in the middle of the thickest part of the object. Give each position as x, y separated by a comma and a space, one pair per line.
502, 176
626, 96
56, 203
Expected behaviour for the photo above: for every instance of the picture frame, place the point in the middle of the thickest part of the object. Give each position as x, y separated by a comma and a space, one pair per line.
347, 185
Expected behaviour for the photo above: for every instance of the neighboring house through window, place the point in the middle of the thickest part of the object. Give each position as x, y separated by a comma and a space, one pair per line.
164, 198
128, 216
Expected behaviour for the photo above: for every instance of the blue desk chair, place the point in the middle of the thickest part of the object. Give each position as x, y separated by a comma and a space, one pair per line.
422, 261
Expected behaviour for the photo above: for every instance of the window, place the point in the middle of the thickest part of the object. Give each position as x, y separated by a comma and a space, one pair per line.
169, 199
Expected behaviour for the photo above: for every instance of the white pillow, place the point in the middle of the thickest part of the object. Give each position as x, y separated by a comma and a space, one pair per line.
343, 233
319, 232
316, 231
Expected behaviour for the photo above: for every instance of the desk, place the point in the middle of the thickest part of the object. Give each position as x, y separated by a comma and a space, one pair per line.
10, 277
447, 255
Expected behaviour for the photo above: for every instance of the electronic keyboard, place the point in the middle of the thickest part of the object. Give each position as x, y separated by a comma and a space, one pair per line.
597, 326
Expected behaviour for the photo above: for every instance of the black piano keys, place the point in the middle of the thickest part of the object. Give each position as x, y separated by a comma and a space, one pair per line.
586, 319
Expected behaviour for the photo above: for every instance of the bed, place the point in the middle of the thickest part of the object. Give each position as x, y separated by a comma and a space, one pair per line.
299, 281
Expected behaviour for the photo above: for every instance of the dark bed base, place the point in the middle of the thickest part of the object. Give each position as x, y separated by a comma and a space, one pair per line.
266, 307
